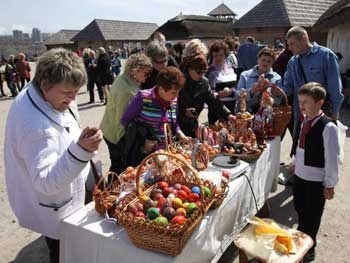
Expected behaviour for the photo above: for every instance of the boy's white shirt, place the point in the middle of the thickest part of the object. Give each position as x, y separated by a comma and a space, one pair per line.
329, 175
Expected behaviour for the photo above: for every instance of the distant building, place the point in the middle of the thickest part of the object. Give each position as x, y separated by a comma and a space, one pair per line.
36, 35
223, 11
114, 34
270, 20
62, 39
336, 22
25, 35
187, 27
17, 34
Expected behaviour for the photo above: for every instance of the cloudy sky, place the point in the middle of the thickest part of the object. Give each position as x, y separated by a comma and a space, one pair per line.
51, 16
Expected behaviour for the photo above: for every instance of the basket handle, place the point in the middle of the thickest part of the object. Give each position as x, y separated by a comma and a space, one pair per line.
275, 87
167, 136
198, 180
104, 179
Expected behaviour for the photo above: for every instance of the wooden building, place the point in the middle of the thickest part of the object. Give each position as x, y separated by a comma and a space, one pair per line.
336, 22
114, 34
270, 20
187, 27
62, 39
223, 11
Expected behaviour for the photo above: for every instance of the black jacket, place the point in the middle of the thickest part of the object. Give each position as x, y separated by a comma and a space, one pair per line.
194, 95
151, 81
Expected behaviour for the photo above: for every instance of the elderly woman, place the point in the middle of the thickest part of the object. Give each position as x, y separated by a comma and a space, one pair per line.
124, 88
197, 90
221, 76
23, 69
150, 110
252, 80
46, 153
158, 53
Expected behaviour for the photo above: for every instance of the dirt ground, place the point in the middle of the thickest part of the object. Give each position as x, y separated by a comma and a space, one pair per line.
24, 246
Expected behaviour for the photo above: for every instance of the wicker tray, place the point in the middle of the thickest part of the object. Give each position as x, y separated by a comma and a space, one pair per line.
169, 239
247, 157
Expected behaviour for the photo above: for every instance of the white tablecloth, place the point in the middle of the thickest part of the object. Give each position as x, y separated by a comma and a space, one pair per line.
87, 237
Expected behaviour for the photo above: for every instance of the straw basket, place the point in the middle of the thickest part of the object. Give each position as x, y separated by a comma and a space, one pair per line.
172, 238
281, 114
106, 192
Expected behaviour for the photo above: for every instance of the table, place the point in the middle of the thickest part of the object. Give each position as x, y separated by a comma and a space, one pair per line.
87, 237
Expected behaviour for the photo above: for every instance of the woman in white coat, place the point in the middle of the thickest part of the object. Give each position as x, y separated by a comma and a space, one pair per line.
46, 153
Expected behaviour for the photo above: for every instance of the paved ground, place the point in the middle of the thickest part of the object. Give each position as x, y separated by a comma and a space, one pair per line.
23, 246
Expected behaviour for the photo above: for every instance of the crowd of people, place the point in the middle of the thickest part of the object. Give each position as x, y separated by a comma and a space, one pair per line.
15, 71
165, 84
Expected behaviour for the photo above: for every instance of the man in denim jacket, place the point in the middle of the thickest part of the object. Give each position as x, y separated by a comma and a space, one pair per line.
312, 63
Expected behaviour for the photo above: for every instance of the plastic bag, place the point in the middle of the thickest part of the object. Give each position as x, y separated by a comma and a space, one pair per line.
341, 139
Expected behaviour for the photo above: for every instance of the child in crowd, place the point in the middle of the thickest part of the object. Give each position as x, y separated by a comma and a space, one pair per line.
316, 161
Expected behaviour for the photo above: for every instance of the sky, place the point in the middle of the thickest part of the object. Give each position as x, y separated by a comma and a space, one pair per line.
51, 16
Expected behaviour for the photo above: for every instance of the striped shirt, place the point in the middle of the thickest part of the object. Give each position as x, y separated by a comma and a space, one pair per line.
145, 108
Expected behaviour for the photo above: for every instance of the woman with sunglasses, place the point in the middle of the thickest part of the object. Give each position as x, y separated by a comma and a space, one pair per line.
124, 88
254, 79
158, 53
196, 93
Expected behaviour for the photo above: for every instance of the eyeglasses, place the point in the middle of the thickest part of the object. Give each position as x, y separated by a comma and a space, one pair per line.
160, 61
200, 72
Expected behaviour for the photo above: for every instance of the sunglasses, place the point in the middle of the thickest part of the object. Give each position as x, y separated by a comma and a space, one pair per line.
200, 72
160, 61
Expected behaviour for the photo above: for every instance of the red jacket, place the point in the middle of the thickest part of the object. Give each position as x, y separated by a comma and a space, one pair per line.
23, 68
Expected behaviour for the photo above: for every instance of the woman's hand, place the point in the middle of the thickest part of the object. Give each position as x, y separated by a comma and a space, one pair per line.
225, 92
90, 139
149, 146
183, 137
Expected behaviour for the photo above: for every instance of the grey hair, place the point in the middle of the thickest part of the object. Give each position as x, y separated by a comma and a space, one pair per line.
296, 31
195, 46
59, 65
135, 63
155, 50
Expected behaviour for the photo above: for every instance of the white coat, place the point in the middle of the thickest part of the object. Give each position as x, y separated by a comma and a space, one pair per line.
45, 168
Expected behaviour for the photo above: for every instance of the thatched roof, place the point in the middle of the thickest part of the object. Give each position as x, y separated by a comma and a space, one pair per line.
222, 10
284, 13
338, 13
63, 36
104, 30
194, 26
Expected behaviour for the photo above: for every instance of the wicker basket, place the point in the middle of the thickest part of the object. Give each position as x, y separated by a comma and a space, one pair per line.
169, 239
199, 155
106, 192
220, 198
281, 114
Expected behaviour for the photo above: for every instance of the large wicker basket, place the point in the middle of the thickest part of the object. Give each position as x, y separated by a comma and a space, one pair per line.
281, 114
169, 239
